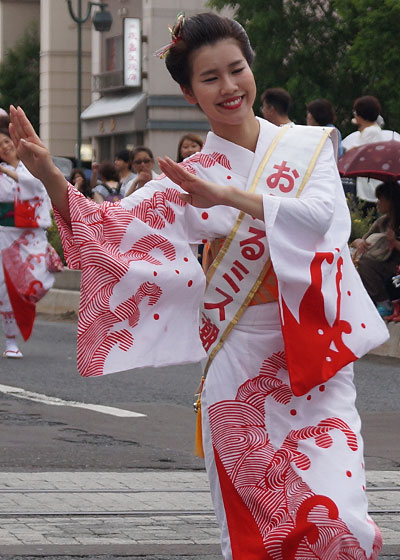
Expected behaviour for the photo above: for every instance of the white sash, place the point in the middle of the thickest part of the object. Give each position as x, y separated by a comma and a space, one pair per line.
243, 261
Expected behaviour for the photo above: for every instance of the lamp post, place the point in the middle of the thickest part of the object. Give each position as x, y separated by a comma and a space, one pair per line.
102, 21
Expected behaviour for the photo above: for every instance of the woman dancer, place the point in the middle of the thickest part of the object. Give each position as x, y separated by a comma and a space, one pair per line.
280, 430
24, 278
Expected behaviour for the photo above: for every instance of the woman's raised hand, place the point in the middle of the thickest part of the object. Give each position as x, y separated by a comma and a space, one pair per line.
199, 193
30, 149
34, 154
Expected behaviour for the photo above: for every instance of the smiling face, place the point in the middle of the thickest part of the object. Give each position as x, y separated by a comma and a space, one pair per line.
222, 84
8, 152
189, 147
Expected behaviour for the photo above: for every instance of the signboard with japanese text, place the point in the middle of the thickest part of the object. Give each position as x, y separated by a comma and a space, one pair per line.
132, 52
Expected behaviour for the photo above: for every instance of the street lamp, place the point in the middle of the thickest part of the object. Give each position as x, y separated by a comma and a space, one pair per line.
102, 21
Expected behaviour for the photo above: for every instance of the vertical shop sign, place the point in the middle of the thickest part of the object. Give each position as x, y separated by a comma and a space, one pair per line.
132, 53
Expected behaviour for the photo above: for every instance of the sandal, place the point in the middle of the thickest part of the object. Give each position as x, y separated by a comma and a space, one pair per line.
12, 354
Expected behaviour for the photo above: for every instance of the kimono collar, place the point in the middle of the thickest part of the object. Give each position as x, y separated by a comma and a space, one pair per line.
241, 159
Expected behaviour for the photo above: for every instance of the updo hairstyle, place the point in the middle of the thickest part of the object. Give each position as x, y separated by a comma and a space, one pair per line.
197, 31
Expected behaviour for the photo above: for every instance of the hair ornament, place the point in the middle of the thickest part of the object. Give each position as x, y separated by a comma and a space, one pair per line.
176, 35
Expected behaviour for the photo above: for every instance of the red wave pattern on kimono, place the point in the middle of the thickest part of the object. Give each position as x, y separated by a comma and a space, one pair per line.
259, 483
323, 350
24, 289
101, 230
205, 160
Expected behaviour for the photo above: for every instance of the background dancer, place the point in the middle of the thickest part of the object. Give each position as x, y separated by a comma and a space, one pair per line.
24, 216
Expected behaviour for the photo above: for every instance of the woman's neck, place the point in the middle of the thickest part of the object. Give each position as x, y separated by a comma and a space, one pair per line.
245, 134
13, 162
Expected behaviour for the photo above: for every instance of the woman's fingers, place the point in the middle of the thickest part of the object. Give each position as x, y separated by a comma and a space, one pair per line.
173, 171
27, 128
21, 127
186, 197
14, 136
15, 124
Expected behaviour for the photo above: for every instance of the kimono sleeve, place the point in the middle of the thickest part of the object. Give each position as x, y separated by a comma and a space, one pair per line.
328, 319
141, 285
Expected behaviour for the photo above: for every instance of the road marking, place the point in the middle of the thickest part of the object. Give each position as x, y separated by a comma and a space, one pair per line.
38, 397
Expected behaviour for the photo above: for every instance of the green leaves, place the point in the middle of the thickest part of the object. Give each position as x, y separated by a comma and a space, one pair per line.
338, 49
19, 75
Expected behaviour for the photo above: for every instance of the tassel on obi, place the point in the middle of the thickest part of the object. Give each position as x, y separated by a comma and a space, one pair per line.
198, 441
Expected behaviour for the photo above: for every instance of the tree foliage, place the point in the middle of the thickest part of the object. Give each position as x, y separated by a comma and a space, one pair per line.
338, 49
19, 75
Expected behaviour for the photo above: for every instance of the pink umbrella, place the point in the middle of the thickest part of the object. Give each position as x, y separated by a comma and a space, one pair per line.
380, 160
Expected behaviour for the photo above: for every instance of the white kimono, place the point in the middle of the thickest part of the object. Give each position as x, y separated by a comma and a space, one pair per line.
283, 448
24, 278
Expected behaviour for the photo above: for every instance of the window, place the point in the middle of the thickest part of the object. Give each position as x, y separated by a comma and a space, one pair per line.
114, 57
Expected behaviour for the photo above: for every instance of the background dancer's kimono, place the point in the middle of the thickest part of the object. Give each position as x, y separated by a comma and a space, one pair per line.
24, 277
286, 471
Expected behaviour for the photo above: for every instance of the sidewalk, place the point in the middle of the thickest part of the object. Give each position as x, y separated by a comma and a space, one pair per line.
148, 514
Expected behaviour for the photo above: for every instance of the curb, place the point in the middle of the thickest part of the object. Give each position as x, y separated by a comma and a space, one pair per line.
64, 298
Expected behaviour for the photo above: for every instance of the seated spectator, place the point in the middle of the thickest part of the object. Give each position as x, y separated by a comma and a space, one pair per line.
321, 113
122, 162
142, 164
275, 106
109, 187
79, 180
188, 145
377, 253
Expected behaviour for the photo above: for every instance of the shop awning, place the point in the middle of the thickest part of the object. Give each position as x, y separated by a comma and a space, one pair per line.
115, 114
114, 105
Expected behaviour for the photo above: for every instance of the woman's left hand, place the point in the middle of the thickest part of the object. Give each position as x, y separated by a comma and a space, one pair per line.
199, 193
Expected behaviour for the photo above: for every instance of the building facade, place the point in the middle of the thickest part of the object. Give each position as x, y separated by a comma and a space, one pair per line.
153, 112
116, 112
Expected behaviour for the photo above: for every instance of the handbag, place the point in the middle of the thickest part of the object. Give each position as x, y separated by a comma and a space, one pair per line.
379, 248
53, 261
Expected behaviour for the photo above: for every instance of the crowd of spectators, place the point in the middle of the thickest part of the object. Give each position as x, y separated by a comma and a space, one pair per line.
377, 253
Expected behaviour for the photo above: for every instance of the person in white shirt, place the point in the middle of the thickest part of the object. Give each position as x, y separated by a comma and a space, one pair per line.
275, 106
366, 110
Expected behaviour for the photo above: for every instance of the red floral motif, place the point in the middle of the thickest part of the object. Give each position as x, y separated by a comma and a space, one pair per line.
20, 271
25, 212
24, 289
291, 522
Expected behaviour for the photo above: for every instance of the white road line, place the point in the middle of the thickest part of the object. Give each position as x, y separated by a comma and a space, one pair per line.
38, 397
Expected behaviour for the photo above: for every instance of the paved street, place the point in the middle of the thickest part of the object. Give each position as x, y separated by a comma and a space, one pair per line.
134, 513
82, 482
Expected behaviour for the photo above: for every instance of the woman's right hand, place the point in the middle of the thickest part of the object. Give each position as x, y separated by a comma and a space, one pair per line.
36, 157
30, 149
